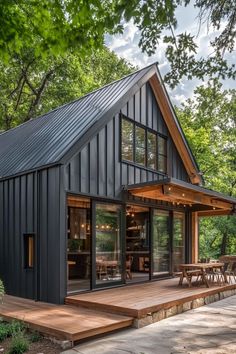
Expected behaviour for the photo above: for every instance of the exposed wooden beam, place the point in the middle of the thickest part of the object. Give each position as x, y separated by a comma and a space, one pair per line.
180, 195
207, 213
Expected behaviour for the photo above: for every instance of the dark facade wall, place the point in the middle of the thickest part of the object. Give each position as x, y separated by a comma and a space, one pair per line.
31, 204
97, 169
18, 205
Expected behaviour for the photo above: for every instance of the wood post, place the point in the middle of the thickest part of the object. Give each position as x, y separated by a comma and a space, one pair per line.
195, 224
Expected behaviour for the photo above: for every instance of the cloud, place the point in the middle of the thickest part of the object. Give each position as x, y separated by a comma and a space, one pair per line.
126, 46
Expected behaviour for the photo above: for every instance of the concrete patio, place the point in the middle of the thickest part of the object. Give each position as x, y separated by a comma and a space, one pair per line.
205, 330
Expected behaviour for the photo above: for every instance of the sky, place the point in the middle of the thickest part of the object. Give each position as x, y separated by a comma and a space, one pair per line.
126, 46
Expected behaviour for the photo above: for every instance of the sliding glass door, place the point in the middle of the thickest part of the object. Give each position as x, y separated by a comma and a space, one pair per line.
107, 245
178, 240
78, 244
161, 243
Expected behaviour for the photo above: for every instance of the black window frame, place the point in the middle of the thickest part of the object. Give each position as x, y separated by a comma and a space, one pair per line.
146, 129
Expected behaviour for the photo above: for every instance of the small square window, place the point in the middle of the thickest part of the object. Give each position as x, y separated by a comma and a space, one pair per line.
29, 245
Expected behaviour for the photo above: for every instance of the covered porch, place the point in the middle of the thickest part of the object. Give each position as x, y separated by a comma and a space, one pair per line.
195, 200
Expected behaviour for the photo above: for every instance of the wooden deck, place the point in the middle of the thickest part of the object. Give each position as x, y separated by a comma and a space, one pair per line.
100, 312
63, 322
142, 299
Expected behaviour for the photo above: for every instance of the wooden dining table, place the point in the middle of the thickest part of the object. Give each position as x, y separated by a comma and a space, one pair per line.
202, 270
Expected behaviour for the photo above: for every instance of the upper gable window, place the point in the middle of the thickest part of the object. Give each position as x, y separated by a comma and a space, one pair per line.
162, 154
143, 146
127, 140
140, 145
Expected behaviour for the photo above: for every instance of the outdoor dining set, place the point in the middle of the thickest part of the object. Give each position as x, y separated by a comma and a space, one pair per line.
220, 272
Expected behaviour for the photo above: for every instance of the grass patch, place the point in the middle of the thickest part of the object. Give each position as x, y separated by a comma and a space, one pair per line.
19, 343
34, 336
16, 327
4, 331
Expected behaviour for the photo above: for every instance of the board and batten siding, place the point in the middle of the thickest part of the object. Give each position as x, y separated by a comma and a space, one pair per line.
97, 168
33, 204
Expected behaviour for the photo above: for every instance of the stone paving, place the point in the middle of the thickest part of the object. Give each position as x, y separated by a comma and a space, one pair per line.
204, 330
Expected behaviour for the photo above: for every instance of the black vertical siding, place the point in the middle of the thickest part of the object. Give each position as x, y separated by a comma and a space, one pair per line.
24, 210
97, 169
17, 209
52, 235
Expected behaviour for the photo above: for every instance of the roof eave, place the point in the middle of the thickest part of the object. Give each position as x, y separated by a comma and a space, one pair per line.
175, 129
186, 193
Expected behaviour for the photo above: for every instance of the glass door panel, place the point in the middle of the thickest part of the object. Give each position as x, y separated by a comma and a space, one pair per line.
78, 244
178, 240
161, 243
137, 244
108, 244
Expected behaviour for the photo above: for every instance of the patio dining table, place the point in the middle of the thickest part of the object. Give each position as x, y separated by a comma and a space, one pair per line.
202, 270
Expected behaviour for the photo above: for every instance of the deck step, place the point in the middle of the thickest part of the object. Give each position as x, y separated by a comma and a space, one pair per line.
140, 300
64, 322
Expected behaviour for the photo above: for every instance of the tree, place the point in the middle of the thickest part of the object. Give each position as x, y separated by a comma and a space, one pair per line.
31, 85
209, 123
53, 27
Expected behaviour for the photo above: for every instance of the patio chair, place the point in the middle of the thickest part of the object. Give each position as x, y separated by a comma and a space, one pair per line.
215, 275
230, 271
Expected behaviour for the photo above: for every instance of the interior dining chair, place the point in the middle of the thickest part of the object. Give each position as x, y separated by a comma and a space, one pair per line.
128, 267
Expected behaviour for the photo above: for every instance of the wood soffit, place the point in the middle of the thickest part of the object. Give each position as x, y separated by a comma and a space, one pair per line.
167, 113
187, 197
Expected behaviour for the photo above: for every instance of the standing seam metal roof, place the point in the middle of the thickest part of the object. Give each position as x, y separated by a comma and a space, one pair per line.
45, 140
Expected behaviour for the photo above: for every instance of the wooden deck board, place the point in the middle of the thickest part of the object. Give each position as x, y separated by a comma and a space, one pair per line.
63, 321
140, 299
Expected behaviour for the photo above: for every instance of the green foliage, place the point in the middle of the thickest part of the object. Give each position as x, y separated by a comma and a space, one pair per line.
19, 344
31, 85
74, 244
51, 28
16, 327
209, 123
34, 336
4, 331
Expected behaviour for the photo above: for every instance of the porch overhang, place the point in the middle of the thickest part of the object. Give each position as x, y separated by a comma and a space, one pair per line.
192, 197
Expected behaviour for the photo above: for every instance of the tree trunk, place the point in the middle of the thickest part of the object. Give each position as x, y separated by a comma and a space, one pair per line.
224, 243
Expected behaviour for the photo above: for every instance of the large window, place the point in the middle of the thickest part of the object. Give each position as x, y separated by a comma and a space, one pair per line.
143, 146
140, 145
78, 244
161, 243
127, 140
108, 243
178, 240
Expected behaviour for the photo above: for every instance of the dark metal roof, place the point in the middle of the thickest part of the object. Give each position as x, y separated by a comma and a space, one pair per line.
44, 140
54, 137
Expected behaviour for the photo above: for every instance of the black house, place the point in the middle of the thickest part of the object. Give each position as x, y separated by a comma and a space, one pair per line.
101, 192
